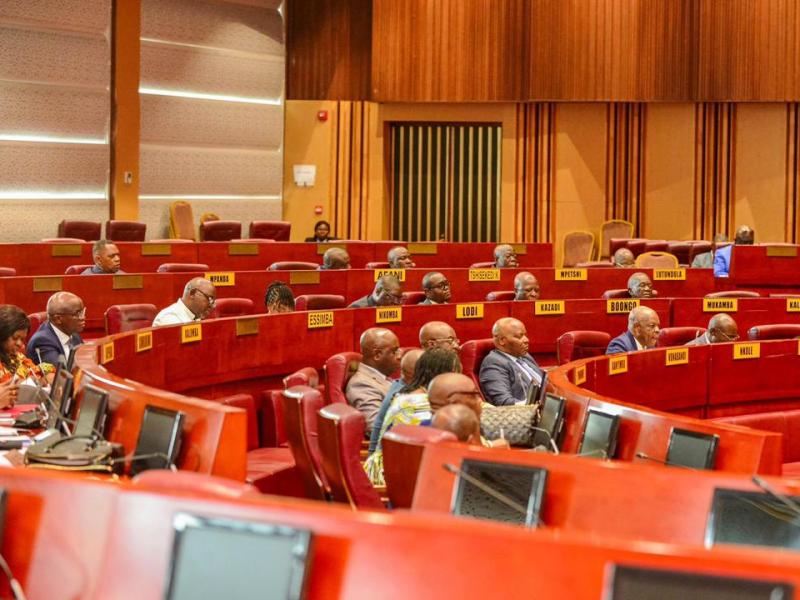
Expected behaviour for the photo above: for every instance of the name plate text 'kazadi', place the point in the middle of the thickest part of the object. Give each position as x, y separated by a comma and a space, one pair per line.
572, 274
616, 306
193, 332
549, 307
388, 314
746, 350
676, 356
469, 311
226, 279
720, 304
144, 341
400, 274
484, 274
320, 318
793, 305
579, 375
617, 365
669, 274
107, 353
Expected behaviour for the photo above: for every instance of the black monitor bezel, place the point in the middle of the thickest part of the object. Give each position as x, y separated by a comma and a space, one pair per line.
98, 425
711, 455
56, 411
613, 433
175, 437
558, 425
537, 391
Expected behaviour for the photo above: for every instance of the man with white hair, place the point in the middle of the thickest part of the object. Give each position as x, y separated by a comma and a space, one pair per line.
642, 333
60, 334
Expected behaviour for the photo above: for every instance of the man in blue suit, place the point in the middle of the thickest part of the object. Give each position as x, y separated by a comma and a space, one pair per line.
745, 236
60, 334
642, 334
508, 370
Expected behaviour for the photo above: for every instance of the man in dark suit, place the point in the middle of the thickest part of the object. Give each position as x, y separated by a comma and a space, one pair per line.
508, 370
387, 292
721, 328
436, 288
642, 334
60, 334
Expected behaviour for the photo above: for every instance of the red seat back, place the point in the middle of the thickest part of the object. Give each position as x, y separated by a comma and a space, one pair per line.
232, 307
338, 370
319, 302
574, 345
7, 272
403, 446
678, 336
36, 320
293, 265
472, 354
377, 265
483, 265
195, 483
412, 298
271, 230
615, 243
777, 331
305, 376
734, 294
341, 430
300, 407
681, 251
125, 231
698, 247
76, 269
246, 402
636, 245
616, 293
127, 317
656, 246
88, 231
182, 268
500, 296
220, 231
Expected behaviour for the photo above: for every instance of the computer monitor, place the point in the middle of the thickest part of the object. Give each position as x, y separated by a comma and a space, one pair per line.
92, 412
633, 583
537, 391
60, 397
599, 434
160, 433
551, 420
226, 558
752, 519
692, 449
521, 487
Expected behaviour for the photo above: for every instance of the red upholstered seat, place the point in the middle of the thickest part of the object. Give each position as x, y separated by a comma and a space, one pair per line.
616, 293
87, 231
246, 402
678, 336
472, 354
615, 243
338, 370
410, 298
300, 406
195, 483
500, 296
305, 376
636, 245
656, 246
76, 269
319, 302
293, 265
232, 307
784, 422
698, 247
125, 231
220, 231
734, 294
271, 230
36, 320
777, 331
127, 317
182, 268
482, 265
341, 430
403, 446
62, 240
574, 345
377, 265
681, 251
7, 272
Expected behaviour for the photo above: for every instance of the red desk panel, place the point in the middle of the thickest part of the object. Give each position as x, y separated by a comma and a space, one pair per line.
38, 258
750, 312
765, 266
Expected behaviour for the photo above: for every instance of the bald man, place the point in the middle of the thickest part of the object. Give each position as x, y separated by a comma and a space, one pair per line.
335, 259
370, 383
387, 292
623, 258
721, 328
407, 365
198, 300
745, 236
461, 421
505, 257
60, 334
642, 333
526, 286
640, 286
508, 371
438, 334
454, 388
400, 258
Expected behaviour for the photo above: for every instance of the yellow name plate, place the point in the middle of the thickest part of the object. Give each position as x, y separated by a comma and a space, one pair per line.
246, 326
320, 318
793, 305
240, 249
303, 277
520, 249
423, 248
484, 275
128, 282
227, 279
144, 341
469, 311
572, 274
676, 356
669, 274
617, 365
389, 314
156, 250
616, 306
782, 251
745, 351
66, 250
579, 375
192, 332
107, 353
549, 307
47, 284
720, 304
400, 274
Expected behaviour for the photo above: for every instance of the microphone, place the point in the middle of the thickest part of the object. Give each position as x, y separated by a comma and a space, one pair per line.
644, 456
782, 498
499, 496
16, 588
550, 439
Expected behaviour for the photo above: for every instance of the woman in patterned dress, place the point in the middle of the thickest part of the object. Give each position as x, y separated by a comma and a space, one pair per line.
14, 365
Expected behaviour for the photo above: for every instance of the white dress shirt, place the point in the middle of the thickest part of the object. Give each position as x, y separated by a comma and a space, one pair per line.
174, 314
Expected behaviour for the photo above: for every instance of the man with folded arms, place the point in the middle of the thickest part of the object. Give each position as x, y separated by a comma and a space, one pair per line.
642, 333
370, 383
508, 371
400, 258
526, 286
387, 292
436, 288
60, 334
721, 328
198, 300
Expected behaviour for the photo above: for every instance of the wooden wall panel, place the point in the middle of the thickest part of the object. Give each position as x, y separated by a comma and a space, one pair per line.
329, 45
449, 50
715, 169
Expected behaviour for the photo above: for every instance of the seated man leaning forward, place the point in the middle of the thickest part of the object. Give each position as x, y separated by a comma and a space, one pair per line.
508, 370
407, 366
642, 334
400, 258
461, 421
623, 258
106, 259
438, 334
436, 288
335, 259
370, 383
387, 292
721, 328
526, 286
640, 286
197, 302
60, 334
504, 256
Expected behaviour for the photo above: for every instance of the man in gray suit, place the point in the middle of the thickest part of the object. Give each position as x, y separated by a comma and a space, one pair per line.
508, 370
369, 384
721, 328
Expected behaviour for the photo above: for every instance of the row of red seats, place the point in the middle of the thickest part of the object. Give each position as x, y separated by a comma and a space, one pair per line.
134, 231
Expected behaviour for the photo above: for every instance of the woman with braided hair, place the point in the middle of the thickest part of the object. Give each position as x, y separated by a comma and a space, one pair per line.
279, 298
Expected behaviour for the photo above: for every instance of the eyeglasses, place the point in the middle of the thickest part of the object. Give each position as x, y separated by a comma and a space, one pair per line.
447, 340
727, 338
211, 301
445, 285
78, 314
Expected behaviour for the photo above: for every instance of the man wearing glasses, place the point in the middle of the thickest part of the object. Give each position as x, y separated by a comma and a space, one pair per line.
198, 300
721, 328
387, 292
436, 288
642, 334
438, 334
60, 334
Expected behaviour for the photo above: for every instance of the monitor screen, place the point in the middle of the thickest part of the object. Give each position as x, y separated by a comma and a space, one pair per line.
537, 391
225, 558
521, 487
60, 396
551, 420
92, 412
160, 433
630, 583
752, 519
692, 449
599, 435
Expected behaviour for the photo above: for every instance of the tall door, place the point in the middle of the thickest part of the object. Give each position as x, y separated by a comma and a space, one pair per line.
446, 182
